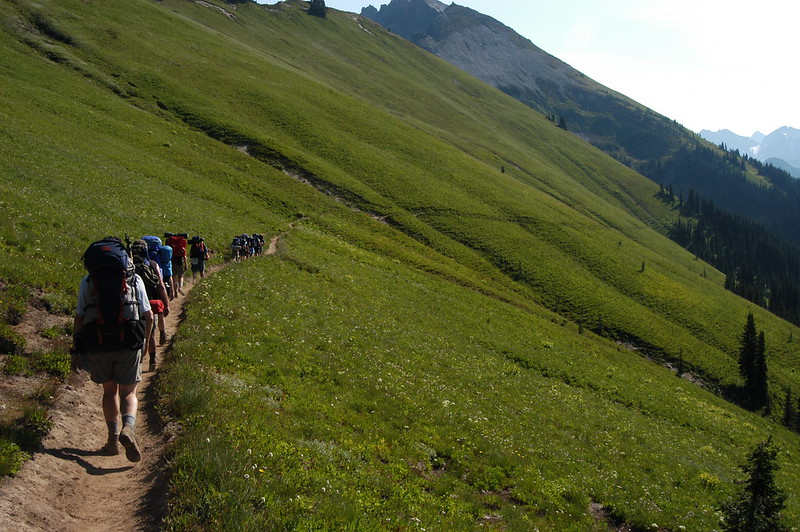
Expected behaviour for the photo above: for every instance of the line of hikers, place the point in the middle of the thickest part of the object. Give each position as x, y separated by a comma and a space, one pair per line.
243, 246
121, 302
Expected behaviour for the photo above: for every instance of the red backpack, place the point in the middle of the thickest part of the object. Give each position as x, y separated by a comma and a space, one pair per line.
178, 245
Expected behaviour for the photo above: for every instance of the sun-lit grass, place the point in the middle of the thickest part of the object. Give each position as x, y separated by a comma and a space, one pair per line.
435, 345
351, 390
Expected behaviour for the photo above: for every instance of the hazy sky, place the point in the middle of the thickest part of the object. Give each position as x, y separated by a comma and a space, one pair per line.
709, 64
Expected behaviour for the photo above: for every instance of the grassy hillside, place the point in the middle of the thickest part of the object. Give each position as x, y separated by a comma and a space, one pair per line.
653, 144
419, 353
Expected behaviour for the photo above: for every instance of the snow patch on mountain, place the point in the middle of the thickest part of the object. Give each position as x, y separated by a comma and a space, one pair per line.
780, 148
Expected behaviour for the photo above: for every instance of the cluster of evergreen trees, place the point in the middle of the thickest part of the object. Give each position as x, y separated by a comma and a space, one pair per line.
791, 412
318, 9
562, 122
775, 203
759, 265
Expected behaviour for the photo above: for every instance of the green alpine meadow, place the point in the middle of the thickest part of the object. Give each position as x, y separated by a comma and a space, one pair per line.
474, 319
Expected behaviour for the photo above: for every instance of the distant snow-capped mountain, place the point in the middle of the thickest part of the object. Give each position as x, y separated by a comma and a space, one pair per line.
783, 143
731, 140
780, 148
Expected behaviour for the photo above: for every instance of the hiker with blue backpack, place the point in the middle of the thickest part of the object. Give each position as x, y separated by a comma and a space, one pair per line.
165, 261
147, 267
112, 321
162, 255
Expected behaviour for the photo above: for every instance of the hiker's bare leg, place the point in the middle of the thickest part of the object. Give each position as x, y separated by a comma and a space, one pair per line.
128, 402
111, 401
111, 415
162, 334
151, 342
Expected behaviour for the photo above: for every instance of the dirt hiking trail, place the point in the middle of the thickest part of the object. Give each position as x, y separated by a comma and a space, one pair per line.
69, 487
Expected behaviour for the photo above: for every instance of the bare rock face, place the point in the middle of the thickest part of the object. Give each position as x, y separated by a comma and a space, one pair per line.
484, 47
496, 54
406, 17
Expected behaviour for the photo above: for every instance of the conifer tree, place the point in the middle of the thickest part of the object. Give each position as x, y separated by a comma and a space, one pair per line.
318, 9
758, 381
753, 364
681, 366
758, 507
729, 282
748, 347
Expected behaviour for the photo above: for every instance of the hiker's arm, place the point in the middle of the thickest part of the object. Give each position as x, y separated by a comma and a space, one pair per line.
147, 315
77, 325
75, 357
162, 289
162, 293
148, 325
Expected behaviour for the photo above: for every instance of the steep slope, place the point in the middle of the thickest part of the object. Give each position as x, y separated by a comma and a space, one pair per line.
619, 126
456, 248
495, 53
561, 206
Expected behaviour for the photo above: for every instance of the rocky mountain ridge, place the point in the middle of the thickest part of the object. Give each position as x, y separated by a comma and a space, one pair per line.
474, 42
650, 143
496, 54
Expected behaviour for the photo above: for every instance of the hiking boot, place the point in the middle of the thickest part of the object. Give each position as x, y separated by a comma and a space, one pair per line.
111, 448
128, 440
152, 367
162, 338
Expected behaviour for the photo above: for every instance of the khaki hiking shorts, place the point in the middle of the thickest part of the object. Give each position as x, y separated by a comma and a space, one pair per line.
198, 266
122, 367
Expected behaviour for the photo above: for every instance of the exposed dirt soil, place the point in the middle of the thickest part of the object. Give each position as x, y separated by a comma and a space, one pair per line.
68, 486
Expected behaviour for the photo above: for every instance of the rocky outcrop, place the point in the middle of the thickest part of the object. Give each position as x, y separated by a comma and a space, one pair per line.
498, 55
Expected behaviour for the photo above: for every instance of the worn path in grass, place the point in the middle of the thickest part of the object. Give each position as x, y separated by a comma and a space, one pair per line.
68, 486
